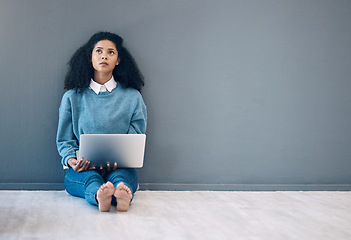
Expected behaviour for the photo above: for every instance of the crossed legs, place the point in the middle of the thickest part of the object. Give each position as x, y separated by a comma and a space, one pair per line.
103, 189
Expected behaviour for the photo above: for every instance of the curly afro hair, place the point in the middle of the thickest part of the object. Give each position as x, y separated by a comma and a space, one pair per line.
81, 69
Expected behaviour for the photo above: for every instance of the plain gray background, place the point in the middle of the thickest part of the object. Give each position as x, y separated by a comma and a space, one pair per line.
241, 95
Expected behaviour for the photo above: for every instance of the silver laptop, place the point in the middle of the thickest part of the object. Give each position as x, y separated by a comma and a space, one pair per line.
127, 150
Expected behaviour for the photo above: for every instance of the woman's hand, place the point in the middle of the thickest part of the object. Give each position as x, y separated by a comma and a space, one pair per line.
77, 165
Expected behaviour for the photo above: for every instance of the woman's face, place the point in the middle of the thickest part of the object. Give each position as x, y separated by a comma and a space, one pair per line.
104, 56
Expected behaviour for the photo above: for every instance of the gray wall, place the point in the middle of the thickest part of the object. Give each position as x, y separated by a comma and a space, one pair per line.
241, 95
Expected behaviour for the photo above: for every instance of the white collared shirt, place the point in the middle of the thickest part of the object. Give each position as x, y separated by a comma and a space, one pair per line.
108, 86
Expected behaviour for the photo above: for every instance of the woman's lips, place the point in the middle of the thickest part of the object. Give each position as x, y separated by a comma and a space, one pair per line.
103, 63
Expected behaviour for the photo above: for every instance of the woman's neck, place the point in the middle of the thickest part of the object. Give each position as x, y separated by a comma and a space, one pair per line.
102, 78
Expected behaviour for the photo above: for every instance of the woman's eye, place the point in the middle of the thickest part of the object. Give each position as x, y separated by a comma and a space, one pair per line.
98, 51
111, 52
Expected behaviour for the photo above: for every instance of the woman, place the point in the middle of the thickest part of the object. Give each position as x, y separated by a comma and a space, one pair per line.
103, 97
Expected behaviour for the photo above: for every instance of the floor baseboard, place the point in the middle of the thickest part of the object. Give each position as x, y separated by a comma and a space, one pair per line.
194, 187
245, 187
32, 186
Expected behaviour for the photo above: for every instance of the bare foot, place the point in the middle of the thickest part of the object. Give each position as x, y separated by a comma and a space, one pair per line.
104, 196
123, 196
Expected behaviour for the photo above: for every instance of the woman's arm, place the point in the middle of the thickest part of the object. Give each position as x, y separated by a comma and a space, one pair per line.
66, 141
139, 119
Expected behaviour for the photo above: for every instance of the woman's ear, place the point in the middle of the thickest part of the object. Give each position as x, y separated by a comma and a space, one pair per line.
118, 61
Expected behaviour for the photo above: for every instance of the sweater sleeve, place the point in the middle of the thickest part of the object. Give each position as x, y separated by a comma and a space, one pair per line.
139, 119
66, 141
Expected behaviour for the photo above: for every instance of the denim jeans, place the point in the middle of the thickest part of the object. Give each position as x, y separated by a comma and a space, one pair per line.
85, 184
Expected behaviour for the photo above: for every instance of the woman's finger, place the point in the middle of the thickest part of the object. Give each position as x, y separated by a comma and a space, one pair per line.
85, 165
76, 165
82, 167
79, 162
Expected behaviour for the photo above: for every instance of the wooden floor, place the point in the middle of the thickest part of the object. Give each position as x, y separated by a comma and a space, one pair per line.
179, 215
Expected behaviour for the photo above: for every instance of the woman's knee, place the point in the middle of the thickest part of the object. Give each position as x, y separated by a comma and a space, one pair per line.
126, 175
82, 177
77, 182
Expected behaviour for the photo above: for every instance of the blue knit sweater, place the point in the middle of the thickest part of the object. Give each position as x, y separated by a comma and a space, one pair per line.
121, 111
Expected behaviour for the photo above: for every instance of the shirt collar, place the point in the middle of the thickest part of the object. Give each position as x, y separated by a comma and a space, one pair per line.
110, 85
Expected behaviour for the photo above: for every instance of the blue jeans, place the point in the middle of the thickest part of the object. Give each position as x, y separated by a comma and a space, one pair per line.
85, 184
